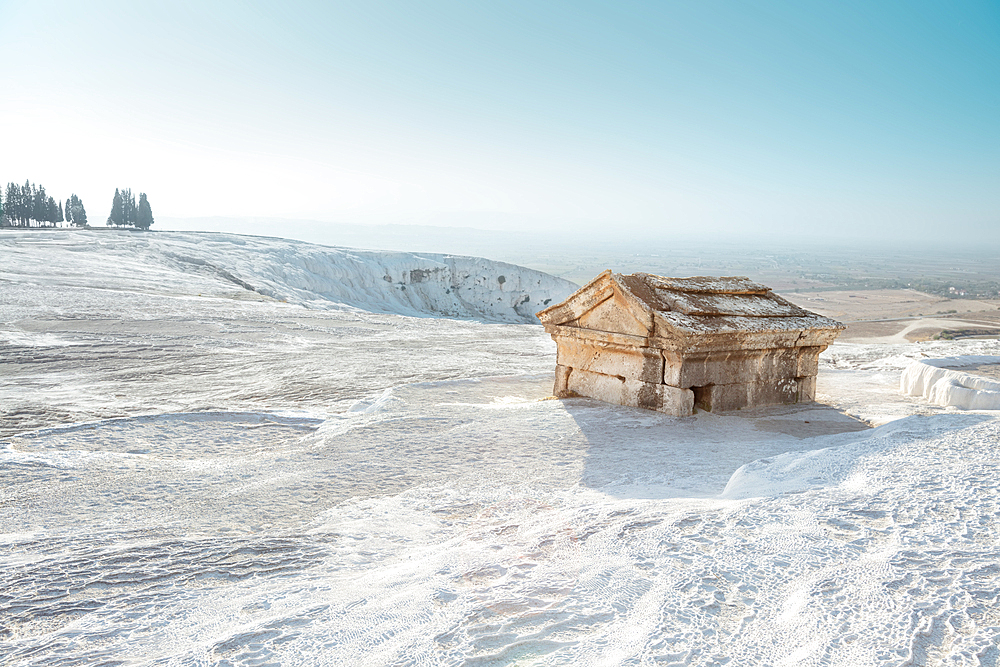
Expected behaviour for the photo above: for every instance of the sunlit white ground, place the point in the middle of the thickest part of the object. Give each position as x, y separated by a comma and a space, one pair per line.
229, 479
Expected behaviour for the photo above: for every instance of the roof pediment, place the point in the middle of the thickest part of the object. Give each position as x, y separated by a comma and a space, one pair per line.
602, 305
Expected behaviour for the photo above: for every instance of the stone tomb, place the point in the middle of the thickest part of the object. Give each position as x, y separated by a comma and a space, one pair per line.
674, 344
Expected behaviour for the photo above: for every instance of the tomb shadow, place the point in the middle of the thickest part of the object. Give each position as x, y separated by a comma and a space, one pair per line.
636, 453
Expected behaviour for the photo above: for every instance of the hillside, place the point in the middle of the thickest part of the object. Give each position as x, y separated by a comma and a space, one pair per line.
323, 277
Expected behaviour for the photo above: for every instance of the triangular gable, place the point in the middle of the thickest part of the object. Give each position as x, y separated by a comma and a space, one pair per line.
602, 305
617, 314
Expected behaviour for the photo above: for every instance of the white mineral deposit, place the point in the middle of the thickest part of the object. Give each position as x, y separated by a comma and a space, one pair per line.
947, 381
244, 451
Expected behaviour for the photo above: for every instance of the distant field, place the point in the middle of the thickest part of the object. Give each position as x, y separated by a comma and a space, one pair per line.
867, 305
903, 315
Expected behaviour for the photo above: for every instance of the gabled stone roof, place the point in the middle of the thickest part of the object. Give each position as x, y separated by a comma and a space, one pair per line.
687, 306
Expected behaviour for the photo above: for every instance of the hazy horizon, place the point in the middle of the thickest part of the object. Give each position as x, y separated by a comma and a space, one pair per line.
770, 119
427, 237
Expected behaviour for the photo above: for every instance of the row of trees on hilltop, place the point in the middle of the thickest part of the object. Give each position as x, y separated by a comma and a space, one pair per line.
29, 205
125, 213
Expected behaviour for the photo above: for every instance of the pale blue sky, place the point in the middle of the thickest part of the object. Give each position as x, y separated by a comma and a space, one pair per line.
855, 117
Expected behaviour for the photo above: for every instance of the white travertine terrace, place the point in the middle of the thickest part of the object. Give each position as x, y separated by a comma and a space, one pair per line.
673, 344
938, 382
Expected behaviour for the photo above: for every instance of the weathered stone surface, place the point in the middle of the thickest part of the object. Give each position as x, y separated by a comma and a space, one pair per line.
735, 366
561, 388
809, 361
727, 397
616, 389
632, 363
655, 342
617, 314
807, 388
575, 332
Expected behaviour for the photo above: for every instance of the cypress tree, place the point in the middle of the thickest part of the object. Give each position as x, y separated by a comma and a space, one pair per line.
11, 206
52, 211
144, 214
128, 207
38, 204
13, 202
68, 213
28, 200
27, 203
117, 217
79, 214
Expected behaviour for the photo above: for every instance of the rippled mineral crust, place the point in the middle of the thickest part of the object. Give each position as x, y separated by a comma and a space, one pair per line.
673, 344
196, 474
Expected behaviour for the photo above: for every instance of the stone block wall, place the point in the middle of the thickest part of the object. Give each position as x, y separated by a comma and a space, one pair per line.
666, 381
